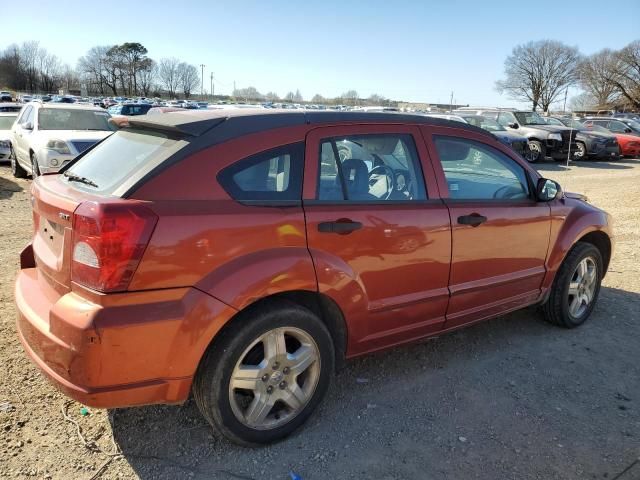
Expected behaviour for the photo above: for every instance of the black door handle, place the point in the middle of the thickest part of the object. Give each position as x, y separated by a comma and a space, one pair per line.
474, 219
341, 227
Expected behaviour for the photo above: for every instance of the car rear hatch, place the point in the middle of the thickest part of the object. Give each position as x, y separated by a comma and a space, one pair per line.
53, 204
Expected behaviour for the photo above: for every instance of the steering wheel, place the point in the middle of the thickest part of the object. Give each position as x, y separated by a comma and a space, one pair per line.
389, 173
515, 192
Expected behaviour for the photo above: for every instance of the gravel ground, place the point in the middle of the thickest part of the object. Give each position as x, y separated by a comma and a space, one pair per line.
512, 398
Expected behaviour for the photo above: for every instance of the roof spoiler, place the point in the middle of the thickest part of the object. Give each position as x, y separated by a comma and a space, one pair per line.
170, 122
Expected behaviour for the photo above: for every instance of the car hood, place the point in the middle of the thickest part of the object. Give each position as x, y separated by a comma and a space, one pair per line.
67, 135
576, 196
548, 128
512, 136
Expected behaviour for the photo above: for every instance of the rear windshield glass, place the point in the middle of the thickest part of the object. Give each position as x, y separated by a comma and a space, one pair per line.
73, 119
119, 158
6, 121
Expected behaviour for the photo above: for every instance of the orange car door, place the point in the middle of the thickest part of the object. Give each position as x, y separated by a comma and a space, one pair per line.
379, 237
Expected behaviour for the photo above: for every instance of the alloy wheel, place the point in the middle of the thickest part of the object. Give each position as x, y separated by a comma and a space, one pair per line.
581, 152
533, 154
582, 287
274, 378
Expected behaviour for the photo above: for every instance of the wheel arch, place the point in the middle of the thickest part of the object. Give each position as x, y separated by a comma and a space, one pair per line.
602, 242
321, 305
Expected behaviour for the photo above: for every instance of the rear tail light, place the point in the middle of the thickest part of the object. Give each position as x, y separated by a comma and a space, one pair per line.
109, 240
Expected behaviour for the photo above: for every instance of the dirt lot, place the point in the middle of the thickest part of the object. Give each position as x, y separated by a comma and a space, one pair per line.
513, 398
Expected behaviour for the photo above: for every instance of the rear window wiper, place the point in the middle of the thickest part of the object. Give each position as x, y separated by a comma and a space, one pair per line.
77, 178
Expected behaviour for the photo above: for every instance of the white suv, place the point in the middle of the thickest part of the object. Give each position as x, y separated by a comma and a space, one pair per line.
46, 136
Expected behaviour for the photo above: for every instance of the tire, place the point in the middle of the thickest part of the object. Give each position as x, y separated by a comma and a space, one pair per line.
222, 405
558, 307
581, 152
16, 168
35, 169
537, 152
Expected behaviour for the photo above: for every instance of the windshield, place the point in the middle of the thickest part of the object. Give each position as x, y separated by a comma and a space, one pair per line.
530, 118
73, 119
488, 124
122, 156
596, 128
6, 121
570, 122
633, 124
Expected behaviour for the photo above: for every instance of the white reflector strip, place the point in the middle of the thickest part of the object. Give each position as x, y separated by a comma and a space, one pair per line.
84, 254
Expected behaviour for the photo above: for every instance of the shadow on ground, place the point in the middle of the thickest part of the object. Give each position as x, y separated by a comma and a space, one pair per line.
513, 396
8, 188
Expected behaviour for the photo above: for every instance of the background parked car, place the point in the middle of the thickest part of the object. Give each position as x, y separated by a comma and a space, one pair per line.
6, 96
47, 136
129, 109
629, 144
589, 143
544, 140
616, 125
6, 122
516, 141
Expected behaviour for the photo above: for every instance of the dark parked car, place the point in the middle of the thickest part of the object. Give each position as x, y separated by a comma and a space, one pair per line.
589, 143
516, 141
242, 255
544, 140
616, 125
130, 109
630, 116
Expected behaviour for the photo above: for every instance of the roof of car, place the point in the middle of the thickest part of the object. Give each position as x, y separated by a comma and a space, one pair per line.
237, 122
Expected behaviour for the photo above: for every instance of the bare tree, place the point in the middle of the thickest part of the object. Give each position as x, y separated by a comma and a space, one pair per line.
583, 101
376, 99
249, 93
146, 76
50, 71
317, 98
189, 78
297, 97
625, 73
539, 72
595, 77
350, 97
272, 97
29, 59
99, 70
290, 96
169, 75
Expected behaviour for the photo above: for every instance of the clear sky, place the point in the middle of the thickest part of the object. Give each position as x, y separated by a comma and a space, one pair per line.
405, 50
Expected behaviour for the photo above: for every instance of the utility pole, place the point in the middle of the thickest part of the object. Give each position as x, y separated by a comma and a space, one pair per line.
451, 103
234, 88
202, 65
212, 92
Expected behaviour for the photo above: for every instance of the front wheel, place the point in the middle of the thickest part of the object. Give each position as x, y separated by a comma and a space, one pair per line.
266, 374
576, 287
536, 152
35, 167
581, 151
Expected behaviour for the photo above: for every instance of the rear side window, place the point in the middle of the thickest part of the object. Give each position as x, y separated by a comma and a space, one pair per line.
270, 176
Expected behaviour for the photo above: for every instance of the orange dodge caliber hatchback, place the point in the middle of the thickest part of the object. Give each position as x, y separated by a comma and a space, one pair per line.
244, 255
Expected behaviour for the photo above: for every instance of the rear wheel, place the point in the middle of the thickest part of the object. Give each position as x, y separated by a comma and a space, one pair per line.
576, 287
536, 152
266, 374
16, 168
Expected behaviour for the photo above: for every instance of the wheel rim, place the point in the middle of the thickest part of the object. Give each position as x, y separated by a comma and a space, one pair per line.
582, 287
534, 153
275, 378
580, 152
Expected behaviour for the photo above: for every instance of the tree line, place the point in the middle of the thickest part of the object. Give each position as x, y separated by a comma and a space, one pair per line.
541, 72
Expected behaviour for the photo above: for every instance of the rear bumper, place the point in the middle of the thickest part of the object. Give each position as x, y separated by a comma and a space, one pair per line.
133, 349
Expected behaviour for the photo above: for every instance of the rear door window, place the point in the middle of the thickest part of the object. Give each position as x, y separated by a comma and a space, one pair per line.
268, 177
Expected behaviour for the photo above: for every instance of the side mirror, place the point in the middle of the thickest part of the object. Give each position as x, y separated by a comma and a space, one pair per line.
513, 125
548, 190
28, 126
